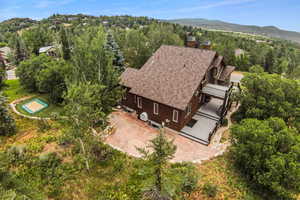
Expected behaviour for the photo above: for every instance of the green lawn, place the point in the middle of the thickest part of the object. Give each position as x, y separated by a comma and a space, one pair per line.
46, 112
13, 90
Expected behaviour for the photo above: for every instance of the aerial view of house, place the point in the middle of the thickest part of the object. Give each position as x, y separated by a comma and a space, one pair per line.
150, 100
185, 89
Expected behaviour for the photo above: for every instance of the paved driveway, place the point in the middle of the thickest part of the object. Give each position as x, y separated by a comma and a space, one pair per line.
132, 133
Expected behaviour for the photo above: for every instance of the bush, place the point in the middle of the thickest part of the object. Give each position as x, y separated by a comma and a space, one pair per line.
188, 176
16, 153
210, 190
267, 153
224, 122
43, 125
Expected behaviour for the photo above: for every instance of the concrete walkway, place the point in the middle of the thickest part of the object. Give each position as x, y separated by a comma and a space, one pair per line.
132, 133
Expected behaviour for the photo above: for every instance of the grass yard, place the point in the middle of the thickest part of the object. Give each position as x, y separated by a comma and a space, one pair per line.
114, 176
13, 90
221, 173
46, 112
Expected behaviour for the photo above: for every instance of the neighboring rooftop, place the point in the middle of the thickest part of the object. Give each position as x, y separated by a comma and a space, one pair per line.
170, 76
45, 49
5, 51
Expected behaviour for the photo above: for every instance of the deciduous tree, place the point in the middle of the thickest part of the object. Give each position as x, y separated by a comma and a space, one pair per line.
268, 152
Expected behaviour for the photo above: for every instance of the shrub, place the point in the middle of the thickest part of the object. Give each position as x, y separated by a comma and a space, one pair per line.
210, 190
188, 176
16, 153
43, 125
224, 122
267, 152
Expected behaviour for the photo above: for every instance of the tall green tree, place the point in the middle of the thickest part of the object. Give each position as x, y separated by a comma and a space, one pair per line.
36, 37
44, 74
29, 70
65, 43
51, 80
7, 123
19, 49
118, 58
268, 153
2, 74
270, 95
92, 69
163, 151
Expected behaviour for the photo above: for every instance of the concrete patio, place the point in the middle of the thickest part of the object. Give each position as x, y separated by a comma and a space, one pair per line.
132, 133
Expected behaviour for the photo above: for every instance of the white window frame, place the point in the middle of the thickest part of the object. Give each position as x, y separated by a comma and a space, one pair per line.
189, 108
139, 102
155, 108
125, 96
175, 116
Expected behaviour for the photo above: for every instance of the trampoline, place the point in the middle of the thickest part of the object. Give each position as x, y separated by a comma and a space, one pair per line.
34, 106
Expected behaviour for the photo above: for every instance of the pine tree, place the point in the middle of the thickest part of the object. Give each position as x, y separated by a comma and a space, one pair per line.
163, 151
65, 44
7, 123
118, 58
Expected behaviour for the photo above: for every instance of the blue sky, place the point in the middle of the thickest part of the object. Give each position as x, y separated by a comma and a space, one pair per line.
284, 14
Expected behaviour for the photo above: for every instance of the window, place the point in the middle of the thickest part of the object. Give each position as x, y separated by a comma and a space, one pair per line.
155, 108
134, 98
139, 102
188, 110
124, 96
175, 116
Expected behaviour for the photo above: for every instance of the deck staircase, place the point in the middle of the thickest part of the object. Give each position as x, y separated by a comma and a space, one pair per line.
187, 135
208, 113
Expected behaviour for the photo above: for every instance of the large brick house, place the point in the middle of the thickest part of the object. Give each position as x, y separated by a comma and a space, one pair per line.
174, 84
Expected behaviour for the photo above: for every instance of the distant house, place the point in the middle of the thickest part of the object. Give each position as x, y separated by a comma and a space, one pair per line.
48, 50
191, 41
206, 45
239, 52
186, 89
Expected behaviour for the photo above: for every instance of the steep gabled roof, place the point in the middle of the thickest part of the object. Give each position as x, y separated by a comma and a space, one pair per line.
171, 76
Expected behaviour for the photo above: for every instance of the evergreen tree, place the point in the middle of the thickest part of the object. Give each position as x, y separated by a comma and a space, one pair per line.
2, 74
93, 70
7, 123
65, 45
163, 151
19, 50
113, 46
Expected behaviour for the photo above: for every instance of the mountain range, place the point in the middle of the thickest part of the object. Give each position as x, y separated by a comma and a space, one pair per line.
269, 31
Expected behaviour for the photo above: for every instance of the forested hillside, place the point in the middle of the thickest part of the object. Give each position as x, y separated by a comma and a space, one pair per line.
63, 154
